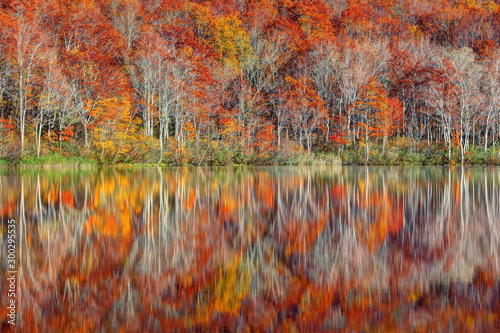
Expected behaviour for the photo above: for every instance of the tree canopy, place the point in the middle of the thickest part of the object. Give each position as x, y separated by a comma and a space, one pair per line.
248, 81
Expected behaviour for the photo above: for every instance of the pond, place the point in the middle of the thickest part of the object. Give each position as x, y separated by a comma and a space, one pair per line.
240, 249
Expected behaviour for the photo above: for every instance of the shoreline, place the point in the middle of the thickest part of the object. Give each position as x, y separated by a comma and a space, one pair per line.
149, 165
393, 157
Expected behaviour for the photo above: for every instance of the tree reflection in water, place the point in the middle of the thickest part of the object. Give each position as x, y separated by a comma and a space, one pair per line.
255, 249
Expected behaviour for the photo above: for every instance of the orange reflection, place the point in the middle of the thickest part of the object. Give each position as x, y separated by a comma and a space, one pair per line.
266, 249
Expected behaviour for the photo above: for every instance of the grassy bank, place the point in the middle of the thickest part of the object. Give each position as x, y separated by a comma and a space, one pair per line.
428, 155
394, 155
51, 160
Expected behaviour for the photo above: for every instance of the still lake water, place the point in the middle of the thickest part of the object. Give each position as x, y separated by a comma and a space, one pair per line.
265, 249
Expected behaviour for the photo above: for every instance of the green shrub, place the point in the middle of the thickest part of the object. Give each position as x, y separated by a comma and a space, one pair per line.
241, 157
476, 156
492, 157
56, 159
326, 159
413, 158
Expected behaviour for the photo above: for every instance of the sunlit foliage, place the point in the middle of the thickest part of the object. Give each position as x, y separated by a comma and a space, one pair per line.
259, 82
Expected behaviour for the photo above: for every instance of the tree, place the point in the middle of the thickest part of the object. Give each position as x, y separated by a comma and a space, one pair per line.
467, 76
353, 73
125, 15
146, 73
324, 72
115, 128
307, 112
456, 99
376, 114
231, 40
23, 41
281, 113
54, 107
492, 93
270, 56
441, 97
90, 51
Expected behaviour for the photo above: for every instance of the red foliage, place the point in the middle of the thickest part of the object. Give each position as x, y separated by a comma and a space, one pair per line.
7, 210
298, 65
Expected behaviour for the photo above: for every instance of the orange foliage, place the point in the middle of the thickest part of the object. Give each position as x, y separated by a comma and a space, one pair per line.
227, 206
338, 139
301, 235
107, 224
265, 141
67, 134
317, 71
7, 210
68, 199
382, 115
7, 124
190, 200
396, 218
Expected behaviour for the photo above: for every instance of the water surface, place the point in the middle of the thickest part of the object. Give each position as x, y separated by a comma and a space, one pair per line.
308, 249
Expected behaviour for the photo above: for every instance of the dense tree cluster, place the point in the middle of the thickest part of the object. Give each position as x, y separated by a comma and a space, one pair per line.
191, 81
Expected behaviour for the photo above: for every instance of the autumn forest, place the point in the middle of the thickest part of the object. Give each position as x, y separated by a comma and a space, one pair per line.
250, 82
